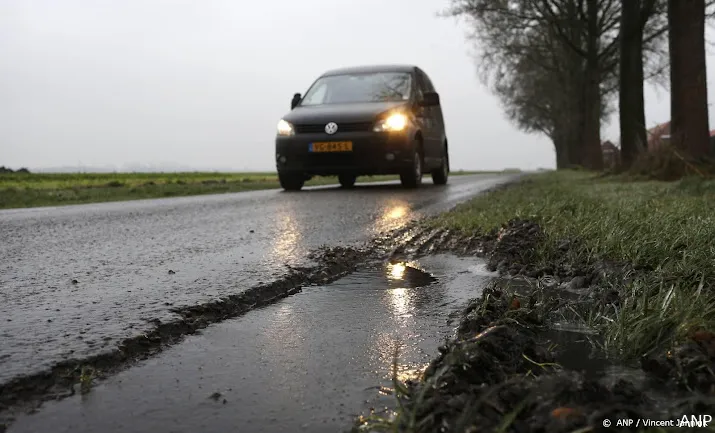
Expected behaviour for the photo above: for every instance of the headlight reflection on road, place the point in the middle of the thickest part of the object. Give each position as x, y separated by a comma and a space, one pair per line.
393, 217
396, 213
284, 248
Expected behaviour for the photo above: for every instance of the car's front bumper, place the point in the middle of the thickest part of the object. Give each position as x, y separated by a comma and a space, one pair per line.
373, 153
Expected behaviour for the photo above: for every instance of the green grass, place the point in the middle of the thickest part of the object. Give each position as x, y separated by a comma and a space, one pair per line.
665, 229
19, 190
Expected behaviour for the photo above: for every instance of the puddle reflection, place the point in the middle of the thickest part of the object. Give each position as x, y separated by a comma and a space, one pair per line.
406, 281
410, 372
403, 373
396, 271
408, 275
314, 359
400, 301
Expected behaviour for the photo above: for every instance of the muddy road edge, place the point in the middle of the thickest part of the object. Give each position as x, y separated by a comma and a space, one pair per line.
27, 393
508, 366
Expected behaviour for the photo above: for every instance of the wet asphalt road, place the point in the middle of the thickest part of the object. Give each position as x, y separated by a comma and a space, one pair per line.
308, 363
75, 280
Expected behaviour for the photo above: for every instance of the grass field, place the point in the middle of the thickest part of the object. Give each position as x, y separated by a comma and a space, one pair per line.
663, 229
18, 190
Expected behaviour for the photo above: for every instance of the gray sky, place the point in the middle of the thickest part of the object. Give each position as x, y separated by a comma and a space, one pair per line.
202, 83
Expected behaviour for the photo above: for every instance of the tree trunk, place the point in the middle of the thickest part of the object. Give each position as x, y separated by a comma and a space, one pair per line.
562, 138
630, 95
689, 129
571, 119
562, 153
573, 134
592, 156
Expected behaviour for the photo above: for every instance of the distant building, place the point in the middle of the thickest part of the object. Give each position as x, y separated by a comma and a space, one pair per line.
658, 136
611, 154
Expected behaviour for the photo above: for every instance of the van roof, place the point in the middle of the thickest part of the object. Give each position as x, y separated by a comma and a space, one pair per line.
370, 69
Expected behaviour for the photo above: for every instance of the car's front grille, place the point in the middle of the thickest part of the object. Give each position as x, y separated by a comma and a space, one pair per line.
342, 127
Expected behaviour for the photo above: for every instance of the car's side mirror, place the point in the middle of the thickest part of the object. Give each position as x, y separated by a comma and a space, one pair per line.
296, 100
430, 99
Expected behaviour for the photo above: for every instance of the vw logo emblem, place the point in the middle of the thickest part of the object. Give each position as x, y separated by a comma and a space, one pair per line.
331, 128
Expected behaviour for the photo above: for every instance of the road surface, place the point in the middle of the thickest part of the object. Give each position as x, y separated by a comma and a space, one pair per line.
76, 280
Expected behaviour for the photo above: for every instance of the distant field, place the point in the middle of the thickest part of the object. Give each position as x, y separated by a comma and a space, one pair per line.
52, 189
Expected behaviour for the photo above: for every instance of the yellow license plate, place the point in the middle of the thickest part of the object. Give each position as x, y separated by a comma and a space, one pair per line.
332, 146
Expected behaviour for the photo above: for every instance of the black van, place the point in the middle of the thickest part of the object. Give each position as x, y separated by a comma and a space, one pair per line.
365, 120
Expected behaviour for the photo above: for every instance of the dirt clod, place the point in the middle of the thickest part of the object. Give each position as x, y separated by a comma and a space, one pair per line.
564, 412
513, 245
690, 366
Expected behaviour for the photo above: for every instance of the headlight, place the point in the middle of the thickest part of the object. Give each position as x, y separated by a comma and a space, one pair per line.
285, 128
394, 122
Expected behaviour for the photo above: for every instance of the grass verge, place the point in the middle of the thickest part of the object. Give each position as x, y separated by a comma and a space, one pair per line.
662, 231
19, 190
627, 266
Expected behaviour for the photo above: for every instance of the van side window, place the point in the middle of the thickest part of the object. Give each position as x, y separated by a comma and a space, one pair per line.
421, 86
418, 87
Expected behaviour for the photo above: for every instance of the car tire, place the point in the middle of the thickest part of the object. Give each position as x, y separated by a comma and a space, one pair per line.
347, 180
440, 175
412, 178
291, 181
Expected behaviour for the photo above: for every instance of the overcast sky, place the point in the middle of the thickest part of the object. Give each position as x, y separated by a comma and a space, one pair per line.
202, 83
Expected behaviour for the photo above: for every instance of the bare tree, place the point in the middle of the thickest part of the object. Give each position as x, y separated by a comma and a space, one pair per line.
541, 99
570, 50
583, 32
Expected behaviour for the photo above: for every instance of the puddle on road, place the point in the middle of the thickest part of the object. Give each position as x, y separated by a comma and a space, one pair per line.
309, 363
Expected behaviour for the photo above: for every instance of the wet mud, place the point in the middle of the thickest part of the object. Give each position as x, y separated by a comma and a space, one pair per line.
517, 364
508, 369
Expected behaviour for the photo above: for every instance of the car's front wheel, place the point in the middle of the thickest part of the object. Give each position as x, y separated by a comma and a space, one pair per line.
440, 175
347, 180
291, 181
412, 178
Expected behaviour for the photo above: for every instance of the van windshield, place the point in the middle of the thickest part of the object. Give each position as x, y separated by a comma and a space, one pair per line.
362, 87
